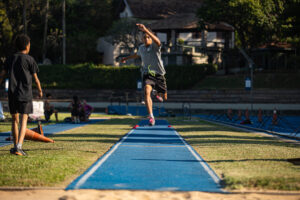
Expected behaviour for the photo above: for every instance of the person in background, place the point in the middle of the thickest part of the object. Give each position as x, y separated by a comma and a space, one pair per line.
75, 106
86, 111
49, 109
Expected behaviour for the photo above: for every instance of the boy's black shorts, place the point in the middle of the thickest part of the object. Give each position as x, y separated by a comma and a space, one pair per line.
158, 82
22, 107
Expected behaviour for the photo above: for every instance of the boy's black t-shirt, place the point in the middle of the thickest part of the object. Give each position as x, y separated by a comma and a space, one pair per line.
20, 68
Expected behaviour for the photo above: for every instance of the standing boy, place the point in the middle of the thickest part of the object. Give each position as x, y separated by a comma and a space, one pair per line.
153, 69
20, 69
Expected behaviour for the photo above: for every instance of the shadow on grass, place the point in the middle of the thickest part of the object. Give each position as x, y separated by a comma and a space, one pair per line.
85, 135
225, 136
92, 140
203, 136
206, 129
237, 141
215, 161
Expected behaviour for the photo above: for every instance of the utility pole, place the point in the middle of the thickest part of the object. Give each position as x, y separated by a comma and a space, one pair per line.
64, 31
24, 16
251, 65
45, 31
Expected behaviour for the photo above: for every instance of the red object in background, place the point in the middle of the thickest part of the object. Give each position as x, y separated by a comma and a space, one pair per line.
259, 116
247, 114
275, 116
136, 126
169, 126
240, 115
229, 113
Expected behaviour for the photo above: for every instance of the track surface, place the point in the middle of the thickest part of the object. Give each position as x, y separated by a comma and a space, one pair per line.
150, 158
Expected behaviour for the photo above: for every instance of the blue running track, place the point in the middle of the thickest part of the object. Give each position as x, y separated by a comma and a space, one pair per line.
50, 129
150, 158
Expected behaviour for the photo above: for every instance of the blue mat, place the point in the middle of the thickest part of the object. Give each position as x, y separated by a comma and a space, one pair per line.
51, 129
150, 158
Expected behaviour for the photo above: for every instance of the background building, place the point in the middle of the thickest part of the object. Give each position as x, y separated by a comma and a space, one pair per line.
176, 24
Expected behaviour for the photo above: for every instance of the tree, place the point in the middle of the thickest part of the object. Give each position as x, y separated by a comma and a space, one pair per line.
10, 24
291, 24
87, 20
124, 32
255, 21
6, 32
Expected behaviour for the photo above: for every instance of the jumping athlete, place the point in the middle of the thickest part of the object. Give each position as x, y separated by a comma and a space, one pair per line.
152, 68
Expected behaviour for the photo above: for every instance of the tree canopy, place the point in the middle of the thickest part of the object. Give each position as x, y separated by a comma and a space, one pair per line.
86, 20
255, 21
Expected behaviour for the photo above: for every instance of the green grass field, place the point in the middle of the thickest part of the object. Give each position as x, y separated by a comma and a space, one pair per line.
56, 164
241, 159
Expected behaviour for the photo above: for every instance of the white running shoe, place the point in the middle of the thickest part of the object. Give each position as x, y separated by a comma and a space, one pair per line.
151, 121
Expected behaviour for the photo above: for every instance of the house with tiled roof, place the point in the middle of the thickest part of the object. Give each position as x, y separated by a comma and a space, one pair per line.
176, 24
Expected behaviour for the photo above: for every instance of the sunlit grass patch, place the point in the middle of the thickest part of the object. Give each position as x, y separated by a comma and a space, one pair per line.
243, 159
57, 164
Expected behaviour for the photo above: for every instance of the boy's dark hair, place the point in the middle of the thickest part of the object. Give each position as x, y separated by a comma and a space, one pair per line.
48, 95
21, 42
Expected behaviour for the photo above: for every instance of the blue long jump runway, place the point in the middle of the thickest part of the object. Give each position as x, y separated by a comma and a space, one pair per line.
150, 158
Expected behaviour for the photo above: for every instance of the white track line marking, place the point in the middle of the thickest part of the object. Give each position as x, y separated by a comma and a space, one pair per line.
202, 162
99, 163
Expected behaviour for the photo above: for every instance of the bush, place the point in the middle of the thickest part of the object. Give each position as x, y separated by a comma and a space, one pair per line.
184, 76
90, 76
294, 62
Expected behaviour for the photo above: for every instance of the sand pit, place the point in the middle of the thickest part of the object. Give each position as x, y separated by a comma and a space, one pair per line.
143, 195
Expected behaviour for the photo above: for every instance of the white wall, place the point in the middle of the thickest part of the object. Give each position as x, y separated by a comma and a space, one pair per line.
210, 37
162, 37
185, 36
110, 52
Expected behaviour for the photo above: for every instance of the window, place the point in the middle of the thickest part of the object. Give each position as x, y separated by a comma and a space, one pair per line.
220, 35
196, 35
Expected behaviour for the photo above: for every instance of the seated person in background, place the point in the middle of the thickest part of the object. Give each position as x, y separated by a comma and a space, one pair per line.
49, 109
75, 106
86, 111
